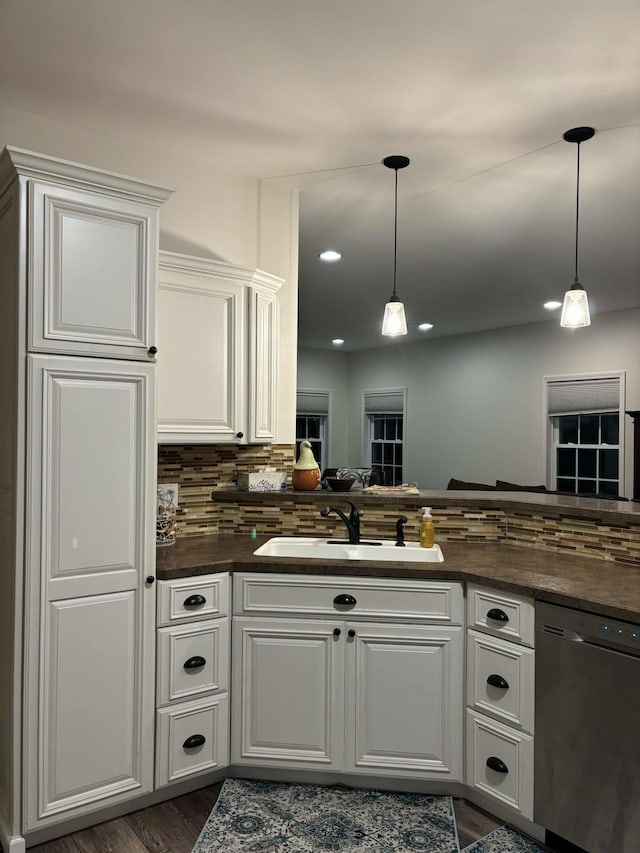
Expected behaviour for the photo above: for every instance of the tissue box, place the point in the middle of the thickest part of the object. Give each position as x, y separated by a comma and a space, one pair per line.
262, 481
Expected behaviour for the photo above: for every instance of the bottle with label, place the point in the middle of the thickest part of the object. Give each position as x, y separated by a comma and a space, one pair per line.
427, 530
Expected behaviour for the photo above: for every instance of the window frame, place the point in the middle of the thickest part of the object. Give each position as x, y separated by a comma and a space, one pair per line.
325, 395
367, 424
551, 425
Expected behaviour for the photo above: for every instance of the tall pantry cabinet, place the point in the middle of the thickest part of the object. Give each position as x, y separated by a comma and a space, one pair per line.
78, 258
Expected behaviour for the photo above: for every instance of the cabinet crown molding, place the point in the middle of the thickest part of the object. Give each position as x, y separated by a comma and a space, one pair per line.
193, 265
44, 167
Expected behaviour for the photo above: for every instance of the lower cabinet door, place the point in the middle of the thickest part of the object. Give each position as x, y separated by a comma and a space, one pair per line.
192, 738
500, 763
288, 696
405, 700
95, 739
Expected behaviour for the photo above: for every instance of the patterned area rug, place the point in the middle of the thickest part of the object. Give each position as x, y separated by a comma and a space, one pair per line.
270, 817
506, 840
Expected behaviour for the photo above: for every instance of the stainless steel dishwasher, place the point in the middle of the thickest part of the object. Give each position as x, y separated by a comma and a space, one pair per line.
587, 729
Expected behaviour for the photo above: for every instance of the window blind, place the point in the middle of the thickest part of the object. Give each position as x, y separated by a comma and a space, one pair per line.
384, 402
312, 403
567, 397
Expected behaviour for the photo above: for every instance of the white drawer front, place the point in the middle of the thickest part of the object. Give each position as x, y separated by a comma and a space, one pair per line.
500, 613
500, 680
314, 596
490, 743
193, 659
206, 720
201, 597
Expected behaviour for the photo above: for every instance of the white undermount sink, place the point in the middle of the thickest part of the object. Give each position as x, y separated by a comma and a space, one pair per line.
326, 549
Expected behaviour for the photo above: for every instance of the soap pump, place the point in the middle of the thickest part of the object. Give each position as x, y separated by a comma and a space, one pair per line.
427, 531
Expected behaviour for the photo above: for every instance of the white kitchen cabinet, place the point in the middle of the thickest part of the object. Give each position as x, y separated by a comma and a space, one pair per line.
92, 272
218, 327
90, 624
193, 668
404, 700
500, 698
78, 254
288, 698
345, 694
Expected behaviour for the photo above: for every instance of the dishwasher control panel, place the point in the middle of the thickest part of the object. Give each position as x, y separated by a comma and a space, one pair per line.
582, 626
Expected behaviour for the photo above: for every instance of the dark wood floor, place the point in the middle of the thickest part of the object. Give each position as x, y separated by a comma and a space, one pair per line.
174, 826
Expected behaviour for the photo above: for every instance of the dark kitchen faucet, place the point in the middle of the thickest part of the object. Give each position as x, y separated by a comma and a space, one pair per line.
352, 522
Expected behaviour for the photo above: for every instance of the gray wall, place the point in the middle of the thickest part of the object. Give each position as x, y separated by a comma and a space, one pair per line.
475, 404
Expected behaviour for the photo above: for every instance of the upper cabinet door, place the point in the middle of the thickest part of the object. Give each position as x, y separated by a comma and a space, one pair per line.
92, 272
201, 362
218, 342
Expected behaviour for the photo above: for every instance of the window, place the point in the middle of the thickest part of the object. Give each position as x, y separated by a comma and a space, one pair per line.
587, 453
586, 448
312, 415
384, 433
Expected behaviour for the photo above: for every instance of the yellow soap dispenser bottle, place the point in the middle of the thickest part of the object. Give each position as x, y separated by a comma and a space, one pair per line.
427, 530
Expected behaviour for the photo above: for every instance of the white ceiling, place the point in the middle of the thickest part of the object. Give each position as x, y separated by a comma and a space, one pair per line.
476, 94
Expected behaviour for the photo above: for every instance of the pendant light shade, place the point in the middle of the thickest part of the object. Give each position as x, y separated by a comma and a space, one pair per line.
394, 322
575, 308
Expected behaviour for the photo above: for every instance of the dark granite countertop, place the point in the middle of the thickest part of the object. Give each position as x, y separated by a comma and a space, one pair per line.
590, 584
610, 511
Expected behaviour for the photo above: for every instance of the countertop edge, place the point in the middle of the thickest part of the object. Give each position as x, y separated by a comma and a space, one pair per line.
519, 574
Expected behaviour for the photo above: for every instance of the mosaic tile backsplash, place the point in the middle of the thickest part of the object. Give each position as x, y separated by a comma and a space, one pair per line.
201, 469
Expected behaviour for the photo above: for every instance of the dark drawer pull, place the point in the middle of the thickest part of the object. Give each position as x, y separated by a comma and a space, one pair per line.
351, 633
344, 599
497, 615
194, 741
496, 764
195, 662
337, 632
498, 681
195, 601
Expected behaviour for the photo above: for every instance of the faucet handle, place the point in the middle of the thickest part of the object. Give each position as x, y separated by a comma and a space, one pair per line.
400, 523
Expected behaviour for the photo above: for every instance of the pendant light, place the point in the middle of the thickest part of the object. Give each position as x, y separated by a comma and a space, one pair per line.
394, 322
575, 308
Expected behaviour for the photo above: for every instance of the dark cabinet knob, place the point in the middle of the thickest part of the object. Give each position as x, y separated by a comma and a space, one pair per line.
195, 601
497, 615
150, 579
239, 435
496, 764
195, 662
152, 351
351, 633
345, 600
498, 681
194, 741
336, 632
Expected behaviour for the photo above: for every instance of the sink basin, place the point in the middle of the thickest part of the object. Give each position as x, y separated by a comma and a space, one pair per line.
327, 549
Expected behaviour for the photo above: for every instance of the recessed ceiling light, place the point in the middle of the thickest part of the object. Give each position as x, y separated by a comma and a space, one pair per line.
337, 341
424, 327
330, 255
551, 306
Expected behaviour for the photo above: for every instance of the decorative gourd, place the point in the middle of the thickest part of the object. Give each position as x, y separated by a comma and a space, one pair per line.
306, 473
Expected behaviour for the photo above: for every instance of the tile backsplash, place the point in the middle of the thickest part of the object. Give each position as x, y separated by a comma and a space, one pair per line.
200, 468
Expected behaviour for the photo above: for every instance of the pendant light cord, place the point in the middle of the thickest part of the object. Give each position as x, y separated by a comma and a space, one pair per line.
395, 234
577, 209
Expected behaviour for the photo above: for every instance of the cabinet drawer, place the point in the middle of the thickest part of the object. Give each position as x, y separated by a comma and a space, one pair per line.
206, 724
500, 678
192, 659
367, 598
500, 763
500, 613
202, 597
